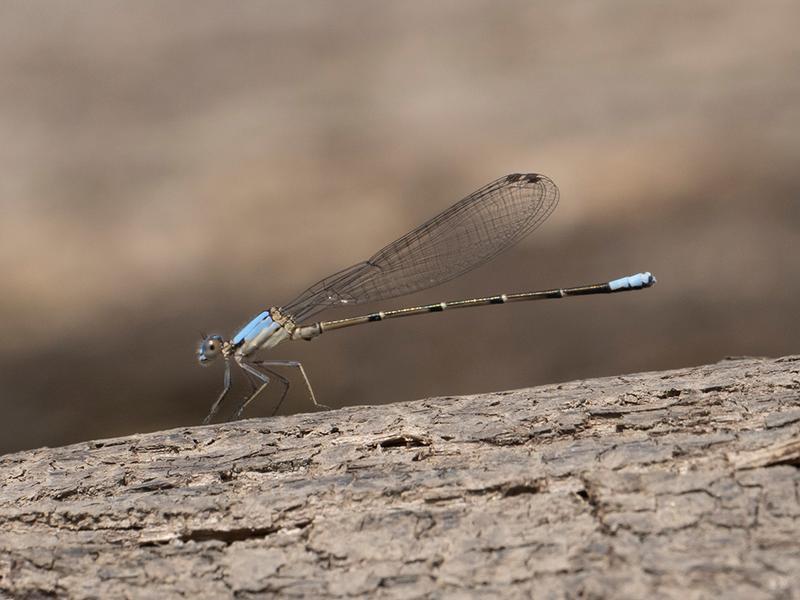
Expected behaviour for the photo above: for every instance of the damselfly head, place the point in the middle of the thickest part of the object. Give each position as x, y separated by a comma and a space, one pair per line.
210, 348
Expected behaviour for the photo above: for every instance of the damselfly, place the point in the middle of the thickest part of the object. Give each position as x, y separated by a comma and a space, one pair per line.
464, 236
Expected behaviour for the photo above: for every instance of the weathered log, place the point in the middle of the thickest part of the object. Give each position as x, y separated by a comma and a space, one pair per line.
639, 485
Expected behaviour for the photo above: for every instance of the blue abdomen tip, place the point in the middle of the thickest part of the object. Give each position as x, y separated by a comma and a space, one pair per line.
633, 282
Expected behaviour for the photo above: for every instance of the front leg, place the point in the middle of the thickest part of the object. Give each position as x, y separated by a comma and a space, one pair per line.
225, 388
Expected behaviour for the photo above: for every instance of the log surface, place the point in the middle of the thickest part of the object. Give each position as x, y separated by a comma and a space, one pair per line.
671, 484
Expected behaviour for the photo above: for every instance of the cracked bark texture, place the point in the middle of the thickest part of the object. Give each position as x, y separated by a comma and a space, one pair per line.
671, 484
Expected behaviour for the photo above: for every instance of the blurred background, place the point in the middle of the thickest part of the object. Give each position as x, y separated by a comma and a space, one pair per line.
167, 168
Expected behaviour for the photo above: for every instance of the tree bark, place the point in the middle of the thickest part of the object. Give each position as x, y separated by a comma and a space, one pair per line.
676, 484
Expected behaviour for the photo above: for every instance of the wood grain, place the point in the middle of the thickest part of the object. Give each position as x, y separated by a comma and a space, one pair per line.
676, 484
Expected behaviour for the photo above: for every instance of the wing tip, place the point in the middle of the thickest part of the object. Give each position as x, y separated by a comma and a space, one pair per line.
526, 178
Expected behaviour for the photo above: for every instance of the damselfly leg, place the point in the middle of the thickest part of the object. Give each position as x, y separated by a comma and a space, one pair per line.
296, 365
259, 376
258, 382
225, 388
254, 392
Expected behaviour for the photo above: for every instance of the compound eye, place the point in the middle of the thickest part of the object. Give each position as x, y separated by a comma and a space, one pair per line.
210, 348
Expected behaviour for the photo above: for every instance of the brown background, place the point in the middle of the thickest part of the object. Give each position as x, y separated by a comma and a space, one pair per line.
172, 167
